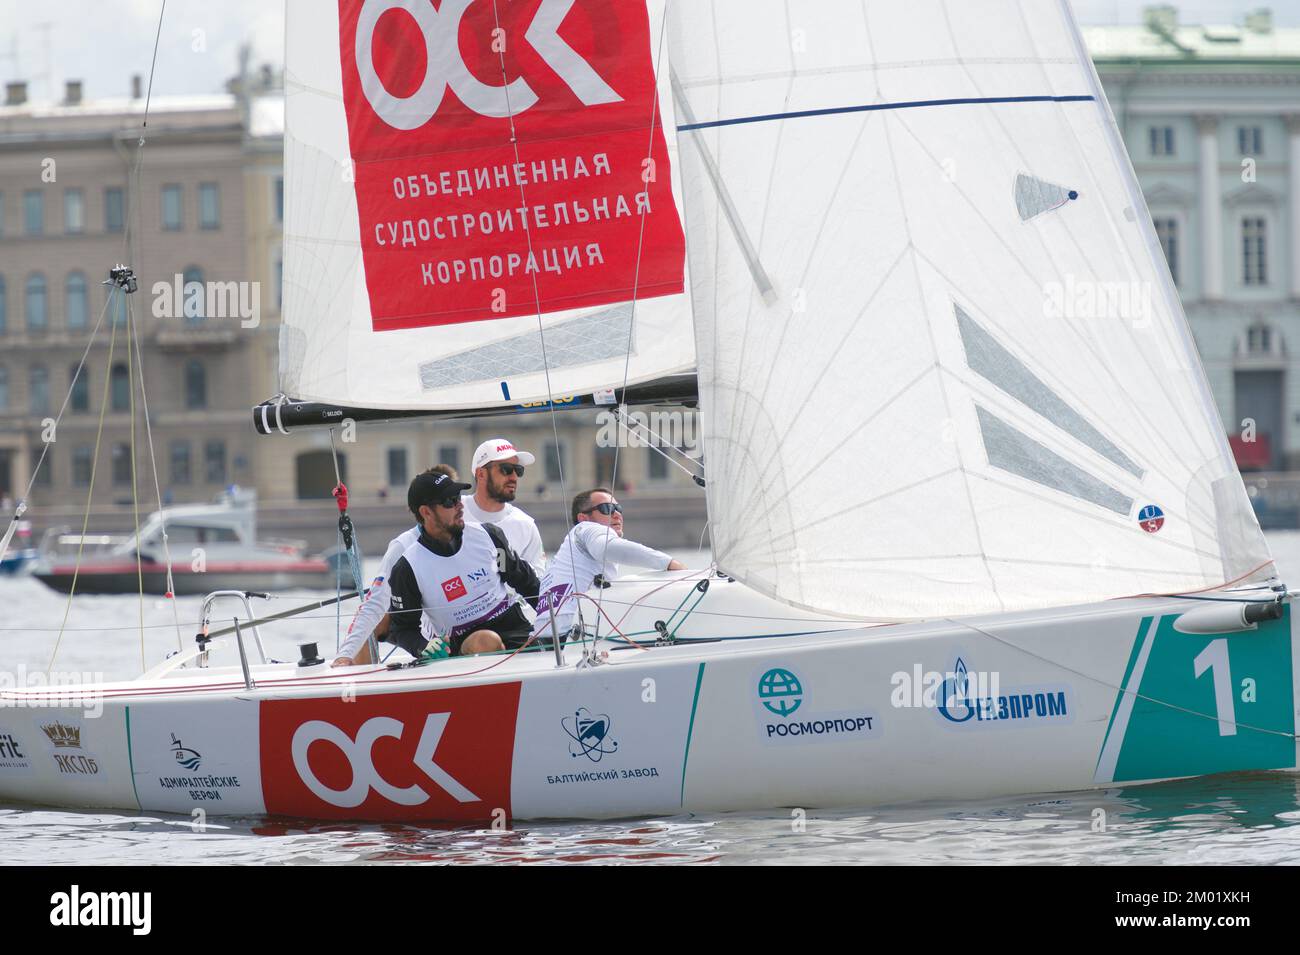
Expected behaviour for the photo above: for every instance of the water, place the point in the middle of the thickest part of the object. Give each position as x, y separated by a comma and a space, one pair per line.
1236, 818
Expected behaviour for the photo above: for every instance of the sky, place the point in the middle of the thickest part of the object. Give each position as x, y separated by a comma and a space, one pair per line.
103, 42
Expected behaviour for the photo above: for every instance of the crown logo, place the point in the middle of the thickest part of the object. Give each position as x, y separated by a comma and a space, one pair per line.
61, 734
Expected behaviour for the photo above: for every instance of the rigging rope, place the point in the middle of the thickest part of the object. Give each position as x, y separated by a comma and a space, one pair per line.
636, 283
90, 491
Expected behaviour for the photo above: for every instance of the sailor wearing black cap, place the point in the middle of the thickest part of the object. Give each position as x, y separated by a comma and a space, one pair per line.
457, 574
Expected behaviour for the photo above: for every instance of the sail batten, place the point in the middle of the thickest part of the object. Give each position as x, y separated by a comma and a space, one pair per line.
972, 388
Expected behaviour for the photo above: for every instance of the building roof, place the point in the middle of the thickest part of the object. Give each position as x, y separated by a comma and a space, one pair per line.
1174, 43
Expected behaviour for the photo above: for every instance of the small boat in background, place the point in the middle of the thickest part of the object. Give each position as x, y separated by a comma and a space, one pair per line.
24, 556
213, 547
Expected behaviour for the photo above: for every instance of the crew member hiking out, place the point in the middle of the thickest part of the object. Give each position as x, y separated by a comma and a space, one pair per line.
456, 576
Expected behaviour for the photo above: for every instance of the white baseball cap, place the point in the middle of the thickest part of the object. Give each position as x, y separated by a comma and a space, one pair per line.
498, 449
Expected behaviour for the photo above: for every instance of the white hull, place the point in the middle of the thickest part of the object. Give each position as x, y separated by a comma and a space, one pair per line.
811, 720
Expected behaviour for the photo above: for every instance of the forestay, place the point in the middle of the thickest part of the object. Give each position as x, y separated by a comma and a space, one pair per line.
970, 386
453, 171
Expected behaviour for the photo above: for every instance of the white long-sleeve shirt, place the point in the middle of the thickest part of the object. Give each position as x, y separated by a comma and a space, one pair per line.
520, 529
588, 550
375, 605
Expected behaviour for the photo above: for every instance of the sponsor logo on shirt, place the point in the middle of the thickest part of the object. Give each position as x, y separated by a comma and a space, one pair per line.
454, 589
480, 574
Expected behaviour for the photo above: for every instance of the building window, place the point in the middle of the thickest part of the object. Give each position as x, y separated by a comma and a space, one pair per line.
449, 454
2, 213
121, 464
172, 219
214, 462
196, 385
279, 198
82, 466
38, 390
180, 457
4, 306
553, 458
192, 293
120, 388
209, 205
398, 468
75, 291
34, 212
657, 470
1167, 233
1254, 251
1250, 140
80, 392
1259, 340
118, 316
4, 388
1162, 140
114, 210
37, 313
279, 283
74, 211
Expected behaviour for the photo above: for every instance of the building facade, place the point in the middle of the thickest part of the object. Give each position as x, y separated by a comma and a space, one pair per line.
1211, 118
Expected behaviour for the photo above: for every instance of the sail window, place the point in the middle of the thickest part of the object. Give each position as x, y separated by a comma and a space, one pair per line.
1017, 453
600, 336
1034, 196
987, 358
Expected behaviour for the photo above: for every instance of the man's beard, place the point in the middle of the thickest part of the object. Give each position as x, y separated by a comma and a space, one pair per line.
500, 493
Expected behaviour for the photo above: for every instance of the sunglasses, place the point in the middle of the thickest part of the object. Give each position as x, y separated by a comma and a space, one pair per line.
509, 469
606, 509
448, 502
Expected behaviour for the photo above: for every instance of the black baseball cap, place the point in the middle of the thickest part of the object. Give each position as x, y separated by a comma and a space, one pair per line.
429, 489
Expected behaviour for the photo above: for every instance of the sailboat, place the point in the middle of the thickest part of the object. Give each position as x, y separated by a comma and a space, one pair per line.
976, 527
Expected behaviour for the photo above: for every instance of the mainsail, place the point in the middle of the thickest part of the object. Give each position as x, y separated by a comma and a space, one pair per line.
481, 207
970, 386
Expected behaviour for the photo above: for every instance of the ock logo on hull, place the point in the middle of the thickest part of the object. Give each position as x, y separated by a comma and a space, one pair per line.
440, 754
365, 776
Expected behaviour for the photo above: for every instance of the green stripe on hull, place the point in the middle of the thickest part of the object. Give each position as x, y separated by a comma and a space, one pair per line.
699, 681
1209, 703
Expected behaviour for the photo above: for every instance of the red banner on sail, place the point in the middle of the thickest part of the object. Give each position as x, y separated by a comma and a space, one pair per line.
509, 157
